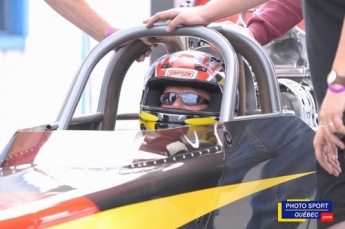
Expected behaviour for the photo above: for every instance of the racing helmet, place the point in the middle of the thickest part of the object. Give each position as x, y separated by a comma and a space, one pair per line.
194, 69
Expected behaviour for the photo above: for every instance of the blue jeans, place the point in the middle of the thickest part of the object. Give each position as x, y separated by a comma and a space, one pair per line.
285, 146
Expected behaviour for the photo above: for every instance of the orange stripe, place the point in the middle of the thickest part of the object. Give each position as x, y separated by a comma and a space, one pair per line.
53, 215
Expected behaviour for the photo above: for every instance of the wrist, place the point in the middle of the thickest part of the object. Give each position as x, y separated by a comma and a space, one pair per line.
259, 34
110, 31
336, 88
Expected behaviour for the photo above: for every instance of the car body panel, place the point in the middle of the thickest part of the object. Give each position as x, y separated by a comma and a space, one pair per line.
90, 179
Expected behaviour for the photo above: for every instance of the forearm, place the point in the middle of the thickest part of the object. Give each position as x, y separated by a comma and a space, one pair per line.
274, 18
339, 60
79, 13
218, 9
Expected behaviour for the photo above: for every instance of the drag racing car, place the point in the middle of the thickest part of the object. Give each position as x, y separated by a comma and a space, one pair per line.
231, 172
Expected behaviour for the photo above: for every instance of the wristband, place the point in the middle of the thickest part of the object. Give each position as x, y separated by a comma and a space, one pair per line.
110, 31
336, 90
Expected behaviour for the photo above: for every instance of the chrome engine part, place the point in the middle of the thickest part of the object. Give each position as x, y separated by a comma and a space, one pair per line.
297, 98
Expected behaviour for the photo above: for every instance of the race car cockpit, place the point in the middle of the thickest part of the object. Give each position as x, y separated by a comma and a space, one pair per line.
235, 157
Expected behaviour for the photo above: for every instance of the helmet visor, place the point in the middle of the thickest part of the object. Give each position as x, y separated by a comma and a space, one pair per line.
187, 98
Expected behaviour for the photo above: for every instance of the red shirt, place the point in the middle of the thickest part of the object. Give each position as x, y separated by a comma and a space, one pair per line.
274, 18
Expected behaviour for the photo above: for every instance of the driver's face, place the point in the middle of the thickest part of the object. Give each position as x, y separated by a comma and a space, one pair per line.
178, 104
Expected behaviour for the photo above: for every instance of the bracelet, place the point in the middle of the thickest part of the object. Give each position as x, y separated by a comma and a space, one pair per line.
111, 30
336, 90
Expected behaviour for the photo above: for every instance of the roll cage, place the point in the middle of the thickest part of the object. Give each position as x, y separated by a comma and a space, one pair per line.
233, 45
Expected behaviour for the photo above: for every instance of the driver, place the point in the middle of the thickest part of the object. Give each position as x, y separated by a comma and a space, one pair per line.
180, 71
180, 89
185, 89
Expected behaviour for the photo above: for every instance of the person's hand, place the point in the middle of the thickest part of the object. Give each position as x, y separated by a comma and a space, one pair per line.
145, 40
148, 52
326, 155
178, 16
331, 118
145, 54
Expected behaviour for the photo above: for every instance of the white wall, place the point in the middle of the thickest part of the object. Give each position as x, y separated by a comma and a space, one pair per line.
33, 83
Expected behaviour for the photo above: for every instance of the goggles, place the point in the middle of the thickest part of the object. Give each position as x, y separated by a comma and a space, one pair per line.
187, 98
